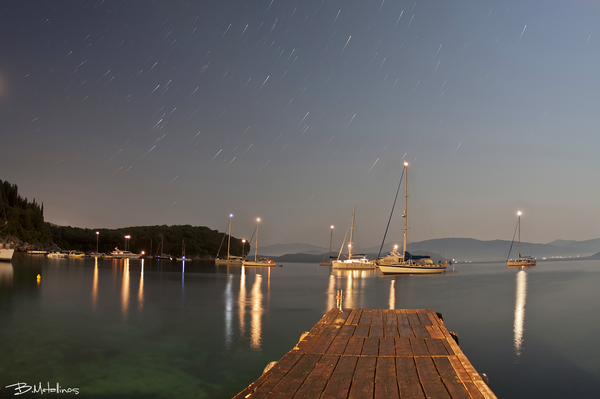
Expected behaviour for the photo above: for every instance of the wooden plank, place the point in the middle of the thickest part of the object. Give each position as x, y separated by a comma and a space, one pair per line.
430, 379
262, 386
291, 381
316, 381
450, 379
331, 330
363, 382
405, 331
341, 317
424, 319
436, 347
347, 330
376, 331
403, 347
387, 347
386, 386
306, 344
366, 318
421, 332
377, 317
419, 347
391, 331
403, 319
434, 332
464, 377
413, 319
354, 347
353, 314
362, 331
338, 346
408, 379
370, 347
322, 344
339, 383
390, 318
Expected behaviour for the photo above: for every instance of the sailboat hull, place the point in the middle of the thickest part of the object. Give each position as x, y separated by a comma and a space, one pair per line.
6, 254
353, 264
228, 262
411, 268
521, 262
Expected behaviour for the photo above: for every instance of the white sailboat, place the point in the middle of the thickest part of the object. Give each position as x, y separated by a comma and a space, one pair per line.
354, 261
182, 257
230, 259
521, 260
6, 253
396, 263
258, 261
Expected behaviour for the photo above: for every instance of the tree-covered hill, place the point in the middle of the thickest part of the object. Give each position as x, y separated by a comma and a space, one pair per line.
22, 222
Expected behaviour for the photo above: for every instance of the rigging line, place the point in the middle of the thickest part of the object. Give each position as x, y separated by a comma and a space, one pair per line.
513, 241
391, 213
343, 242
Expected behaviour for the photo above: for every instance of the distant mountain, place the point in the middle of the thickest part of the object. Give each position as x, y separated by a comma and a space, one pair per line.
282, 249
459, 249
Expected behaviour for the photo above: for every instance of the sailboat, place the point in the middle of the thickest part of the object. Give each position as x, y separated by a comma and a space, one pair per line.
521, 260
160, 255
323, 263
258, 261
182, 257
354, 261
230, 259
405, 263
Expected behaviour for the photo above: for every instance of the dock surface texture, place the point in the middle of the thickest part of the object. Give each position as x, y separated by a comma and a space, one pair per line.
373, 353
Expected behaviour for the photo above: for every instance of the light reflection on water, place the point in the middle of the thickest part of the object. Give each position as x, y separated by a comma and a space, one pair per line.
215, 328
519, 324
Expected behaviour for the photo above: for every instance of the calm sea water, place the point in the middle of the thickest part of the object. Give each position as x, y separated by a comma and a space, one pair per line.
162, 330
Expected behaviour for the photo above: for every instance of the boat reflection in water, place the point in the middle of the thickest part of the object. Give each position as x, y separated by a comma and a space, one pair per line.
353, 287
519, 323
125, 290
252, 304
6, 274
392, 294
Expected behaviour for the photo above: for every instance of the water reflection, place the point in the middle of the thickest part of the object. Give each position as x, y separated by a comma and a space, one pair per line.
141, 289
257, 312
95, 286
6, 273
125, 290
519, 324
229, 311
353, 288
392, 294
242, 302
252, 304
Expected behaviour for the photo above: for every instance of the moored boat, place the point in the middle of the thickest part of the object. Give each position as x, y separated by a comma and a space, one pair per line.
258, 261
6, 254
354, 261
405, 263
230, 259
521, 260
120, 254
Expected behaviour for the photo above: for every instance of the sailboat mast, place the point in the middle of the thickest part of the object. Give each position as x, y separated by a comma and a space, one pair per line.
256, 248
519, 223
405, 216
229, 239
351, 234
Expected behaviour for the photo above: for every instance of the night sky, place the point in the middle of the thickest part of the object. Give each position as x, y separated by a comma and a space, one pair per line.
131, 113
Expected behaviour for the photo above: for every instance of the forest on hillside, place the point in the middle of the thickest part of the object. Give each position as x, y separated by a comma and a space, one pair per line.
24, 220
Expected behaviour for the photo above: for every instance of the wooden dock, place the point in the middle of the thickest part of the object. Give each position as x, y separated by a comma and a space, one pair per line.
373, 353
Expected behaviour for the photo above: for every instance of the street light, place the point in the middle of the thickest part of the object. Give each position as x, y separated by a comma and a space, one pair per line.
97, 234
126, 242
243, 246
